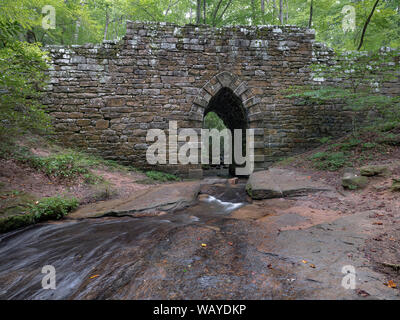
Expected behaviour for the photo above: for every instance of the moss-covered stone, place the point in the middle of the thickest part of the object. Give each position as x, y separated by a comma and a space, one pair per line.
353, 182
17, 221
374, 170
395, 185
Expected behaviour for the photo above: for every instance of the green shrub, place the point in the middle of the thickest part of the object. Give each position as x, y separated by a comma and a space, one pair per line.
318, 155
325, 140
59, 165
329, 161
22, 80
369, 145
350, 144
390, 139
53, 208
161, 176
15, 222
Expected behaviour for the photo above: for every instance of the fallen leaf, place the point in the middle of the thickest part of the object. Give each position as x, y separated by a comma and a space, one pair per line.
312, 265
391, 284
362, 293
204, 245
304, 261
378, 223
94, 276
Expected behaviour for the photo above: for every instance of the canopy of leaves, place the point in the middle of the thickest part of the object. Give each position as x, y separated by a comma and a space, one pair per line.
80, 21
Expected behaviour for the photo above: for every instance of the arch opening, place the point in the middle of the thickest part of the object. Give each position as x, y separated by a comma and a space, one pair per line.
228, 107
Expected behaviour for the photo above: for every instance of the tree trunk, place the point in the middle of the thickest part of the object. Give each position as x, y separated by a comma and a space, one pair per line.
281, 11
366, 25
106, 28
214, 17
253, 13
287, 11
263, 11
311, 13
273, 11
198, 12
76, 35
204, 12
226, 8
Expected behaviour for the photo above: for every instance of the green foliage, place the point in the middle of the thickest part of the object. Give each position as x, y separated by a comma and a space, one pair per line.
212, 121
325, 140
85, 21
350, 144
357, 149
22, 67
20, 210
369, 145
53, 208
389, 138
61, 165
67, 165
329, 161
359, 77
161, 176
16, 221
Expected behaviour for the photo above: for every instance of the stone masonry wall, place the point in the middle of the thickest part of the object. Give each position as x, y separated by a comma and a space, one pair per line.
104, 98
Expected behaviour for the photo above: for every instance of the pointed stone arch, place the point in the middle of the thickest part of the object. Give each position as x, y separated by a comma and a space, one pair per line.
240, 88
248, 99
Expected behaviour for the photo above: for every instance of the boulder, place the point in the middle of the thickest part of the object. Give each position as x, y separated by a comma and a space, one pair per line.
373, 170
353, 180
166, 197
279, 183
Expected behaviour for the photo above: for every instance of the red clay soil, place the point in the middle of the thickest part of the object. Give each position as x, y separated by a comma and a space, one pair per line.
16, 176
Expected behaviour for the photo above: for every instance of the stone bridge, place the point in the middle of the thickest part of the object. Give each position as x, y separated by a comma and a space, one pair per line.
104, 98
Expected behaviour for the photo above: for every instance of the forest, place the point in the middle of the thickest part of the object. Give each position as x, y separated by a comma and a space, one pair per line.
318, 218
28, 25
82, 21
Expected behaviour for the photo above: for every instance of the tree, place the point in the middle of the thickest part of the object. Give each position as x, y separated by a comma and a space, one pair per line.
281, 11
366, 25
358, 78
22, 67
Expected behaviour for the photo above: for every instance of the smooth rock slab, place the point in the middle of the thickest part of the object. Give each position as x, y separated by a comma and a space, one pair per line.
166, 197
279, 183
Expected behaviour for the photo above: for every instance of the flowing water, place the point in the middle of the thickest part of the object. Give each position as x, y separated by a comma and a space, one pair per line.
114, 257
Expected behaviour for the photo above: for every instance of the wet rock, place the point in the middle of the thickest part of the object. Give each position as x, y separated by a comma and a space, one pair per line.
373, 170
279, 183
203, 196
209, 181
353, 180
251, 212
167, 197
214, 189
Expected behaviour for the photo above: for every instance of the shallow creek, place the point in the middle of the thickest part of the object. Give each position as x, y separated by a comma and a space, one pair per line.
119, 253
